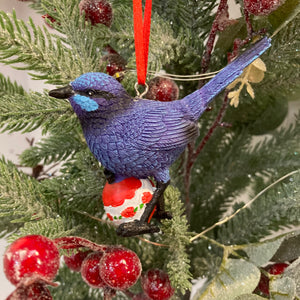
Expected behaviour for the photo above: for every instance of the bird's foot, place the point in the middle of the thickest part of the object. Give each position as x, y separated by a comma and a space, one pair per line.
162, 214
136, 228
110, 176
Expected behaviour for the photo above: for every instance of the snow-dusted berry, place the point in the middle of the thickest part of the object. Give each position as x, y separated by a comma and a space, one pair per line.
34, 291
156, 285
97, 11
31, 256
262, 7
90, 270
120, 268
162, 89
75, 260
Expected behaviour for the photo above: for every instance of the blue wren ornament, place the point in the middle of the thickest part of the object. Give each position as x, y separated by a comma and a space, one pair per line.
142, 138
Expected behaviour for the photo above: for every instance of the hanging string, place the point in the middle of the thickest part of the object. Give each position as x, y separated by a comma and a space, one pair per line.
177, 77
141, 28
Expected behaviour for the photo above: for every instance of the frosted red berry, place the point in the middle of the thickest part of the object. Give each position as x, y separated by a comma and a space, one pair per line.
97, 11
90, 270
34, 291
32, 255
262, 7
156, 285
120, 268
50, 18
75, 260
114, 63
162, 89
274, 269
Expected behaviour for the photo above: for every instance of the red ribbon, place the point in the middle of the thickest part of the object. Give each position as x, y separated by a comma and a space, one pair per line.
141, 37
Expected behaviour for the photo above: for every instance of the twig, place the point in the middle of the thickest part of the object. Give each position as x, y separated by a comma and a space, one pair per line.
223, 6
225, 220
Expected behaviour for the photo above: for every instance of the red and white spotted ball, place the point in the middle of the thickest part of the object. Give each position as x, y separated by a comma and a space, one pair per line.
125, 201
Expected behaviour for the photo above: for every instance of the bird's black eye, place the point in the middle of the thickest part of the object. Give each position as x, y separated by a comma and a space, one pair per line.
91, 93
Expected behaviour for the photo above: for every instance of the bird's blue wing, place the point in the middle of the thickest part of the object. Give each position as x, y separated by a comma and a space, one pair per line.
161, 127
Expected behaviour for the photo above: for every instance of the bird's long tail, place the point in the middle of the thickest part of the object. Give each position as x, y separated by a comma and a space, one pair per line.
200, 99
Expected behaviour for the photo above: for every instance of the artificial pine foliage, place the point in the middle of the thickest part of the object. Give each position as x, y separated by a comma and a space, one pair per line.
214, 232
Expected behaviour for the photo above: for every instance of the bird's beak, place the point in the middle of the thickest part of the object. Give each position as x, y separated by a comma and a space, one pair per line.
62, 93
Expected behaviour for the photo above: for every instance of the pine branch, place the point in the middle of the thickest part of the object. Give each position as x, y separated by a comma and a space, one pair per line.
7, 87
50, 227
37, 51
223, 171
277, 209
55, 148
78, 188
176, 236
26, 112
86, 41
20, 196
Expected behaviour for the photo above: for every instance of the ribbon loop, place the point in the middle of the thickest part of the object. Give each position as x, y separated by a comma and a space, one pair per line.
141, 37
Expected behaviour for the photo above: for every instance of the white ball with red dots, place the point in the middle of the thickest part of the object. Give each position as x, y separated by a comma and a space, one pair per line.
125, 201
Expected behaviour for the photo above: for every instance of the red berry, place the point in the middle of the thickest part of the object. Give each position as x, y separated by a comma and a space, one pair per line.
75, 260
274, 269
32, 255
90, 270
162, 89
48, 17
262, 7
156, 285
140, 296
114, 63
120, 268
97, 11
35, 291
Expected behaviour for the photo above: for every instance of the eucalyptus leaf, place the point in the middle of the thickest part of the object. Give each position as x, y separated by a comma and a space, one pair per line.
282, 289
293, 271
235, 277
289, 249
261, 253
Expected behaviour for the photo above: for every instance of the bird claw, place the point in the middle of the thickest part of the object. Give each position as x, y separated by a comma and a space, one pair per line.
136, 228
162, 214
109, 175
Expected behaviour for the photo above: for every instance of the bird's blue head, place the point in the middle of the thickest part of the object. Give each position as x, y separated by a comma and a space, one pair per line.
92, 91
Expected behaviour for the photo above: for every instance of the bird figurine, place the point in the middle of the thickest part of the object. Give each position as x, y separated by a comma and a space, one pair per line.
141, 138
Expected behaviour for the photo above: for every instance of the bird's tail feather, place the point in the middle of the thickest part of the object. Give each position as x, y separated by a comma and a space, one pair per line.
200, 99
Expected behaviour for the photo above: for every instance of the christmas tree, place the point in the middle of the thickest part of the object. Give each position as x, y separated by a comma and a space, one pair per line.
234, 201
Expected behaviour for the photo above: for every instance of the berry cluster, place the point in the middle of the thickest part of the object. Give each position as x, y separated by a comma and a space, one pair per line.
32, 262
116, 268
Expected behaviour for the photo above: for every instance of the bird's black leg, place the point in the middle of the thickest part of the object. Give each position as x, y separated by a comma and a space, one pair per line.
160, 212
142, 226
109, 175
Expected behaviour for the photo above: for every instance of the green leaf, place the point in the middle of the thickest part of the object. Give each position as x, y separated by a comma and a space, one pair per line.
235, 277
261, 253
282, 289
284, 12
293, 272
289, 249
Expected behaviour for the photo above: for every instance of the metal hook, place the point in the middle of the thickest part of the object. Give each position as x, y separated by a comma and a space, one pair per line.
138, 94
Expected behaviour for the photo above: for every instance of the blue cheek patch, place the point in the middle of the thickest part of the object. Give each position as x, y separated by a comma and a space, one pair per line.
86, 103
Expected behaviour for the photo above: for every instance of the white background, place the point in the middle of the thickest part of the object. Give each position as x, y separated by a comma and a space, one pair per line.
11, 145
